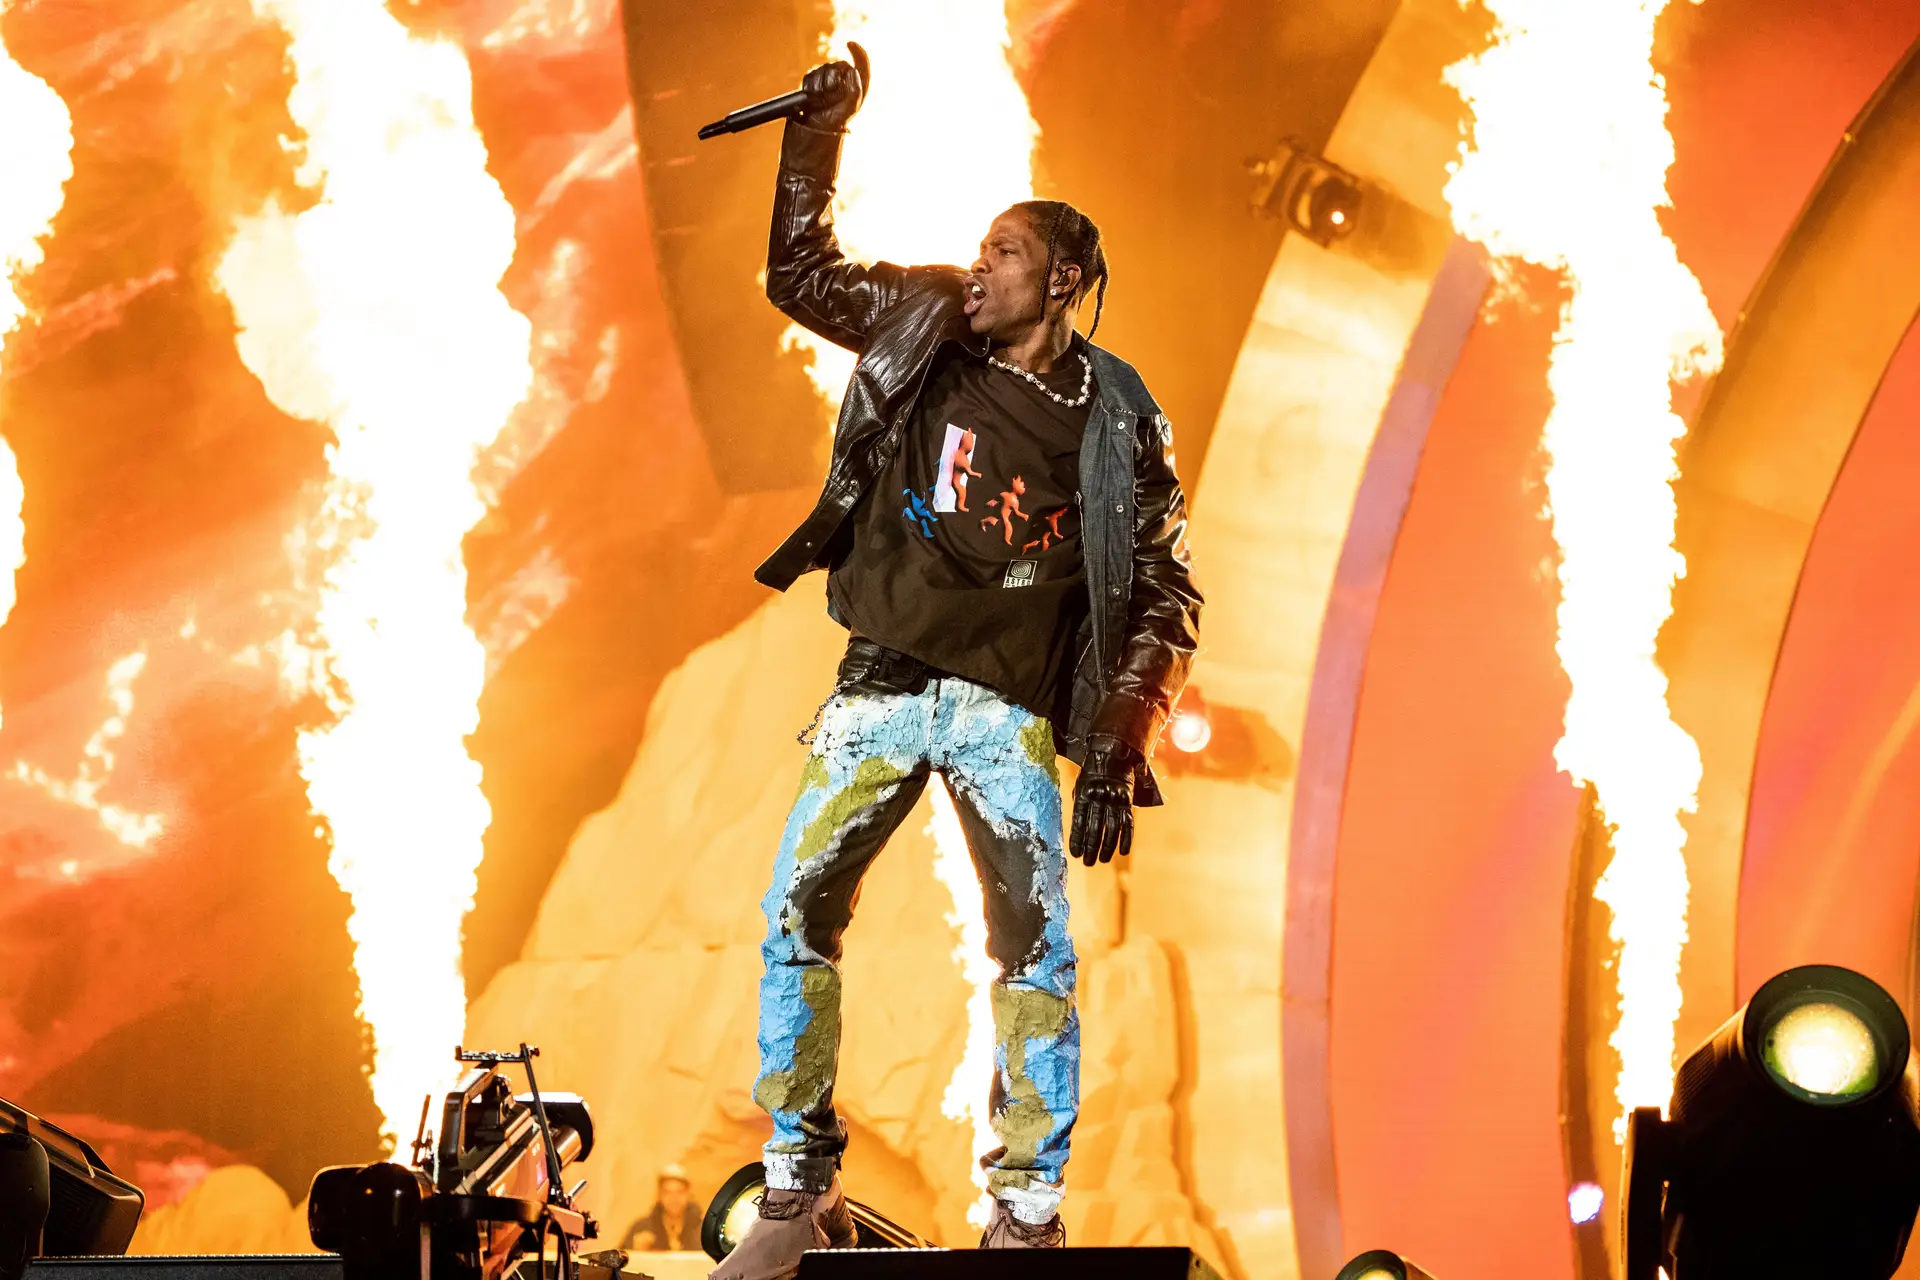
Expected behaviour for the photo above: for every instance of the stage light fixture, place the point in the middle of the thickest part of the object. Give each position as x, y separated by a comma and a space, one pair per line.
1308, 192
1381, 1264
1190, 731
1792, 1145
736, 1206
1190, 728
1584, 1202
91, 1212
25, 1197
733, 1209
1823, 1053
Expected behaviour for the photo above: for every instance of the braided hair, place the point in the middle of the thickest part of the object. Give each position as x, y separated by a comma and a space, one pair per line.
1072, 237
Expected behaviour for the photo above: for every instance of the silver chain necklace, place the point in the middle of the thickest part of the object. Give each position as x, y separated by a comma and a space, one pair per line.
1086, 382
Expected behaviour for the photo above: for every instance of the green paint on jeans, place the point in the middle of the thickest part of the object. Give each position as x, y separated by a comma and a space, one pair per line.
1037, 738
1021, 1014
870, 777
814, 775
814, 1052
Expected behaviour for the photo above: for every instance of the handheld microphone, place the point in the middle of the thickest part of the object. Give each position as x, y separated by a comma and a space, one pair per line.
784, 107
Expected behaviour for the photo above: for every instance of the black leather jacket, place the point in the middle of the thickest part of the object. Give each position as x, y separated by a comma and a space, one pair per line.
1145, 609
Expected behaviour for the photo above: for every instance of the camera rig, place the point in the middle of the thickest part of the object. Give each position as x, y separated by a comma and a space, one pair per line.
474, 1205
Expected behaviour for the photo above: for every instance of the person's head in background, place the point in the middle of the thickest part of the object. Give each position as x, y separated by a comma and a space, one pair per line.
673, 1191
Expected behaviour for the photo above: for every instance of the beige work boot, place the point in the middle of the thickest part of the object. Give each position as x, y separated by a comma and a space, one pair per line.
1004, 1231
790, 1223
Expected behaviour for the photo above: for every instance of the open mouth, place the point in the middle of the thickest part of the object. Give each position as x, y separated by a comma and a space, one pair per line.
976, 297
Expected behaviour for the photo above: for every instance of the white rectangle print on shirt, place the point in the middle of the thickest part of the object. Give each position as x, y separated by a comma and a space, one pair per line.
956, 465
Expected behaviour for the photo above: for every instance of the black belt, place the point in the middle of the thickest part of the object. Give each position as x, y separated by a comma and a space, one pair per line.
874, 668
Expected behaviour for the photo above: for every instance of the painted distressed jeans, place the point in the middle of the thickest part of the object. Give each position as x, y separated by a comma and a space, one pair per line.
869, 764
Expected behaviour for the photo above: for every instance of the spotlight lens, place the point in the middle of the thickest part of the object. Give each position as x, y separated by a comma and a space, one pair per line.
741, 1214
1584, 1202
1191, 732
1823, 1049
1378, 1273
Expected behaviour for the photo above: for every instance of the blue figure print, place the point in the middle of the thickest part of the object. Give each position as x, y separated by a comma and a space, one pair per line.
918, 512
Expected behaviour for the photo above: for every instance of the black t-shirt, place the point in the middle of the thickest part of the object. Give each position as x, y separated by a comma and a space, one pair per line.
966, 552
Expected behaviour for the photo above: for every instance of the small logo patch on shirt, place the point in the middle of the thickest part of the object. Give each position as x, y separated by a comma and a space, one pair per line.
1020, 573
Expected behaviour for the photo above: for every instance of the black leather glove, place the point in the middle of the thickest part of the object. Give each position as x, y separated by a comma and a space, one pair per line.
838, 89
1103, 801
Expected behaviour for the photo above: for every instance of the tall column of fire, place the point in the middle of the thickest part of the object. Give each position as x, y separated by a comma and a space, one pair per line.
36, 159
1566, 168
377, 310
944, 102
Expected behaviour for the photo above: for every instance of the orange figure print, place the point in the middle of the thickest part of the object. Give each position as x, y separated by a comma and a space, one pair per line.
962, 467
956, 466
1052, 535
1009, 504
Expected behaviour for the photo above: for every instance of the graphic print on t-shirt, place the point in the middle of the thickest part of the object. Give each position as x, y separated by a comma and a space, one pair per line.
1045, 523
956, 465
1006, 520
919, 513
1048, 535
1009, 504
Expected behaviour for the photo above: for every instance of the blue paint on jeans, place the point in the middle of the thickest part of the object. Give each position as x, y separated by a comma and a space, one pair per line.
869, 763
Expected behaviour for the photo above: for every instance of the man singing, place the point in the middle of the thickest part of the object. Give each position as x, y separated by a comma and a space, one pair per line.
1045, 608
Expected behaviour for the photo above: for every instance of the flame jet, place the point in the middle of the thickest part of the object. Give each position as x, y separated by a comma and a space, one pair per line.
377, 310
134, 830
36, 157
970, 1086
1566, 168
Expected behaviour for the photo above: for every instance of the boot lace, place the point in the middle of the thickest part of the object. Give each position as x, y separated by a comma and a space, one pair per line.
1051, 1234
784, 1206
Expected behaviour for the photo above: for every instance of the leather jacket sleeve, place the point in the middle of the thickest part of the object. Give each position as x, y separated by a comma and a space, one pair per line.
808, 277
1163, 614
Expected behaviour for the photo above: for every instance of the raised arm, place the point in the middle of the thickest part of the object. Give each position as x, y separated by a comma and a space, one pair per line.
808, 277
